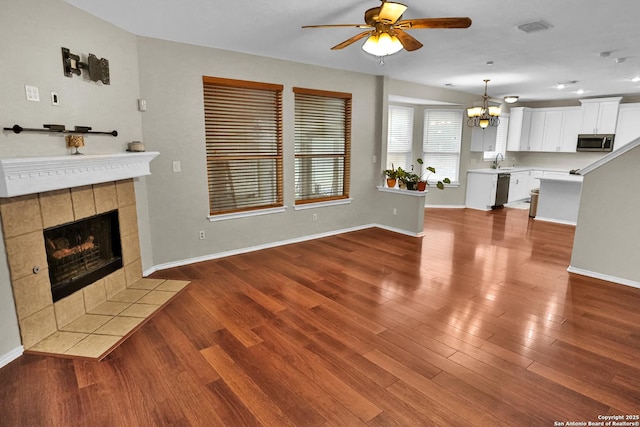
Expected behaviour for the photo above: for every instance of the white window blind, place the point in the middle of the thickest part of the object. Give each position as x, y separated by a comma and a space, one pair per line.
501, 140
243, 131
441, 143
322, 145
400, 137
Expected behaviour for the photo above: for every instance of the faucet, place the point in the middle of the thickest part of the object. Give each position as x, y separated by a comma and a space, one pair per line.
495, 163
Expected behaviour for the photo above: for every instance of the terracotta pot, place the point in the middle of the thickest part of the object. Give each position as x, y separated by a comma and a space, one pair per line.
391, 182
422, 185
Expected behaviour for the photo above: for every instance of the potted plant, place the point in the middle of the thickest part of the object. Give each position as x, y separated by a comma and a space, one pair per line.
408, 180
422, 182
392, 176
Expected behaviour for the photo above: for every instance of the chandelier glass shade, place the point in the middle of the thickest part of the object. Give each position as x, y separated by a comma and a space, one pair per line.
382, 44
484, 116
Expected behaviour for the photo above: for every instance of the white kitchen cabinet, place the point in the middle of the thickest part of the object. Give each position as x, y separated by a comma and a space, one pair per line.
599, 115
571, 122
481, 190
628, 127
546, 129
519, 128
484, 139
520, 185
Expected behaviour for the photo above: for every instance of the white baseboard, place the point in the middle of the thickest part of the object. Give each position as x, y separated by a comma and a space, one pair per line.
10, 356
225, 254
445, 206
602, 276
557, 221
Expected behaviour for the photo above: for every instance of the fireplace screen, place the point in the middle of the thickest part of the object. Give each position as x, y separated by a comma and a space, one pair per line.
81, 252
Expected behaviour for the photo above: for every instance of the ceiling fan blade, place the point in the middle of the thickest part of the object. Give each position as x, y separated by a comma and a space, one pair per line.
352, 40
338, 26
414, 24
390, 12
407, 40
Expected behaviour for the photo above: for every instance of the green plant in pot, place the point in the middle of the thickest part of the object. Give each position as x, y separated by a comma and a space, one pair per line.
408, 180
422, 182
392, 176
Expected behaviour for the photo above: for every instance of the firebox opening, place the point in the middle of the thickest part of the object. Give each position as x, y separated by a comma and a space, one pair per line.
82, 252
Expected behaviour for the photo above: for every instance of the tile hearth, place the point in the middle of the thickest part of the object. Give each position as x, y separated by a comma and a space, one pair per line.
99, 331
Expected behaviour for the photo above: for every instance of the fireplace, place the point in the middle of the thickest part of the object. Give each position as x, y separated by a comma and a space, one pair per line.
81, 252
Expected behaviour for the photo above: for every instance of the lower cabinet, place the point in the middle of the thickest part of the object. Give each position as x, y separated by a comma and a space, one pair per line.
481, 190
520, 185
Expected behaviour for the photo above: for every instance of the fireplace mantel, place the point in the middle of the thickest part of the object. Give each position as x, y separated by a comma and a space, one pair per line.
30, 175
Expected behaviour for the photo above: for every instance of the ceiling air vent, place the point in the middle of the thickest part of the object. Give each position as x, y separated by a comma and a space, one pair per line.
533, 27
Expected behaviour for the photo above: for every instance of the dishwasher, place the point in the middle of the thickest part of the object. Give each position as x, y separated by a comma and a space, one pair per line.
502, 190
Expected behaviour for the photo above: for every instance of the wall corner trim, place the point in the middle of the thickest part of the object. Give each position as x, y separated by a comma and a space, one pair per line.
10, 356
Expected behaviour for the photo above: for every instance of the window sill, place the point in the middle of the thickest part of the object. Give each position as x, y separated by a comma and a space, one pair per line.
236, 215
451, 185
413, 193
322, 204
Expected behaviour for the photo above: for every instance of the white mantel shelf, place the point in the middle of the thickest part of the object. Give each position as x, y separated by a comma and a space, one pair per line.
29, 175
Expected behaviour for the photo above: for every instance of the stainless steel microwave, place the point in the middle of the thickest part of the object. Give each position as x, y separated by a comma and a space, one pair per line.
597, 142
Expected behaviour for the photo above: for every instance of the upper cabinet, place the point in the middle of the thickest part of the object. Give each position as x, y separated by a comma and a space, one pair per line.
628, 127
599, 115
544, 129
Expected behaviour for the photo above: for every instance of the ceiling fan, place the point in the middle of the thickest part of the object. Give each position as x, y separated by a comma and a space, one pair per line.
387, 34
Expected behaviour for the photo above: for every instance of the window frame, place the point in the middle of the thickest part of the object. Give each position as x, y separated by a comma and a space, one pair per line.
425, 154
215, 142
345, 155
410, 135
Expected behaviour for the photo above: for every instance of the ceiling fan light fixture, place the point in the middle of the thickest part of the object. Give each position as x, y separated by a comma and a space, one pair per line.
382, 44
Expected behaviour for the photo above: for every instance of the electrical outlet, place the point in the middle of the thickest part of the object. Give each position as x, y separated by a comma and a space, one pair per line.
201, 235
32, 93
177, 167
395, 211
314, 217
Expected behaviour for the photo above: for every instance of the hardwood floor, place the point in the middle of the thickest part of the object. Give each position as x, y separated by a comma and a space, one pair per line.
478, 323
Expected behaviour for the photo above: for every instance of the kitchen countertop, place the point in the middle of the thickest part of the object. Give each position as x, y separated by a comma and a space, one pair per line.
501, 170
564, 177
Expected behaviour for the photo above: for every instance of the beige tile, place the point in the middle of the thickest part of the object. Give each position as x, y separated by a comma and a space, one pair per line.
133, 272
130, 248
147, 284
126, 193
111, 308
32, 293
24, 252
69, 308
56, 208
115, 282
128, 218
37, 327
20, 215
129, 295
105, 197
59, 342
119, 325
157, 297
94, 295
173, 285
87, 323
84, 205
140, 310
93, 346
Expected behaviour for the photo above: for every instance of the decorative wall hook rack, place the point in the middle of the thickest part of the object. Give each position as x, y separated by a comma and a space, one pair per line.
60, 129
97, 68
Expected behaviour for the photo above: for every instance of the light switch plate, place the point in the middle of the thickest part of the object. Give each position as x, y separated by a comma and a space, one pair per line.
176, 166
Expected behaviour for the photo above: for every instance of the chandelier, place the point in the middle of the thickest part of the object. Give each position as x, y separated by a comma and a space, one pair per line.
484, 116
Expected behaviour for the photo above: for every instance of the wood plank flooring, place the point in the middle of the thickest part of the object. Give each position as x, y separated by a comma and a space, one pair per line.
478, 323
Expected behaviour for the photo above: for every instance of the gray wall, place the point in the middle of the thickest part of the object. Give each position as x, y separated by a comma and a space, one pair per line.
606, 240
32, 33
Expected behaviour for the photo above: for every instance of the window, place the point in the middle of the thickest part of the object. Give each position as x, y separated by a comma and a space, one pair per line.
322, 145
441, 143
501, 140
243, 127
400, 137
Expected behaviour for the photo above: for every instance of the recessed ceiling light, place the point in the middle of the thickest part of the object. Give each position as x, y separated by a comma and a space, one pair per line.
636, 79
560, 86
580, 91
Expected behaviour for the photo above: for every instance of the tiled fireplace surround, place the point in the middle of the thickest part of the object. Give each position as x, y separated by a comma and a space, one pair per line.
122, 299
